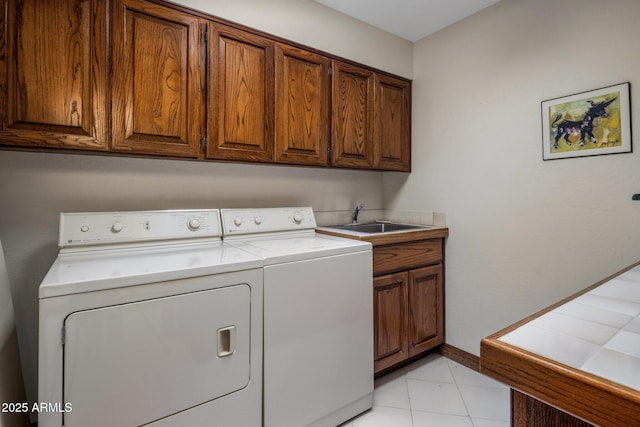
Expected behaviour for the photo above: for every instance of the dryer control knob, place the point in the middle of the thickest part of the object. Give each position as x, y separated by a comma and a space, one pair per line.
194, 224
116, 227
257, 220
237, 221
297, 218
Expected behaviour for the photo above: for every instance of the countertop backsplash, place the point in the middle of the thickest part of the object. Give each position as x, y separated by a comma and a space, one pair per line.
326, 218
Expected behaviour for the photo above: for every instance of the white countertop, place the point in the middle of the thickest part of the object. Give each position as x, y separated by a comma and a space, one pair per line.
597, 332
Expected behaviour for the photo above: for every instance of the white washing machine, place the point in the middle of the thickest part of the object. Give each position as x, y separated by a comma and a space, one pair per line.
146, 318
318, 316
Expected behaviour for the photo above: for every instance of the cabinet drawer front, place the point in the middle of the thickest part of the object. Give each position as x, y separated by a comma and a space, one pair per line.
404, 256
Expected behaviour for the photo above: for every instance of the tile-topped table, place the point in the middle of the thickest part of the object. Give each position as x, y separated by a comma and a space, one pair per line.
580, 356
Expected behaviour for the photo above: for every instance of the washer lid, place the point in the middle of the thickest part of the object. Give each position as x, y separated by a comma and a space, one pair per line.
287, 248
79, 272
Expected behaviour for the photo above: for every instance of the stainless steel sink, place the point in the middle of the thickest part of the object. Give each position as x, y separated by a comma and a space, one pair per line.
379, 227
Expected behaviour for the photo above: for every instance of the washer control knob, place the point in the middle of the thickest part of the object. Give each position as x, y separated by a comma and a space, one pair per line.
237, 221
258, 220
116, 227
84, 228
297, 218
194, 224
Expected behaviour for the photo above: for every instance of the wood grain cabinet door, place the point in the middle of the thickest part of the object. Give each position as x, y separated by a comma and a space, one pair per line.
390, 318
241, 95
352, 98
426, 309
157, 95
392, 134
302, 107
53, 74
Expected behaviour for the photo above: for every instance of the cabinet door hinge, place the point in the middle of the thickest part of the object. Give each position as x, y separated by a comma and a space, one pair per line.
204, 35
204, 141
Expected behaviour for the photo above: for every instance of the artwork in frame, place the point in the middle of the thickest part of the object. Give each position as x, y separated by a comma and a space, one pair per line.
587, 123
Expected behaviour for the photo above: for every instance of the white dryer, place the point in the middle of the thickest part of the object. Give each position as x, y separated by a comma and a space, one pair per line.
318, 316
146, 318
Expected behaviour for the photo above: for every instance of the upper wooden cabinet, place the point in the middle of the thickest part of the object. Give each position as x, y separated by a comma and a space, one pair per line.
241, 95
156, 79
302, 106
53, 74
371, 119
352, 97
158, 62
392, 130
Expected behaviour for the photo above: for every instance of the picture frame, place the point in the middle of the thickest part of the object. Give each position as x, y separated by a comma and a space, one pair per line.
589, 123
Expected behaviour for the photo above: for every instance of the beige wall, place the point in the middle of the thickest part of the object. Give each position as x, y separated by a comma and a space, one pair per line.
36, 187
319, 27
524, 233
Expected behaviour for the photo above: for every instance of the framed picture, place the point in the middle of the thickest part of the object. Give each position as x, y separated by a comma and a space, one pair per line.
587, 123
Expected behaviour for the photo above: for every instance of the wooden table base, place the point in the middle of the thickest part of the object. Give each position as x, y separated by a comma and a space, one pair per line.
529, 412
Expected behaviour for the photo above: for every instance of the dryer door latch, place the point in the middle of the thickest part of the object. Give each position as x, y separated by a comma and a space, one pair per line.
226, 341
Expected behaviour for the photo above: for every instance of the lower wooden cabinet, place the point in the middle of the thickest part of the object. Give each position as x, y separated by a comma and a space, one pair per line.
408, 311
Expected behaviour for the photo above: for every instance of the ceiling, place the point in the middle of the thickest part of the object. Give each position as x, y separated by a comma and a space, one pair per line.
409, 19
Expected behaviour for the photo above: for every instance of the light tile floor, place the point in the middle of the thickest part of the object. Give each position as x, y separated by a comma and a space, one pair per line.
436, 392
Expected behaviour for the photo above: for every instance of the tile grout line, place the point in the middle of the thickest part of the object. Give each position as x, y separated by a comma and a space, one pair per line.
498, 386
406, 386
452, 368
464, 402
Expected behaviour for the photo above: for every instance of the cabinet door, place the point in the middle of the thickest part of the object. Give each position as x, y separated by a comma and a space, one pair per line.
390, 320
241, 88
302, 107
53, 74
426, 309
392, 133
351, 116
157, 66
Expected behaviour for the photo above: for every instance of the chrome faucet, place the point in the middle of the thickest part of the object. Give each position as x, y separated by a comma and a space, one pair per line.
354, 215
